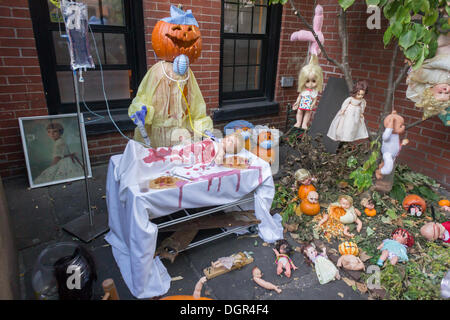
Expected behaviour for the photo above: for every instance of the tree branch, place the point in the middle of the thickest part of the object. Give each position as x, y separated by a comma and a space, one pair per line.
343, 35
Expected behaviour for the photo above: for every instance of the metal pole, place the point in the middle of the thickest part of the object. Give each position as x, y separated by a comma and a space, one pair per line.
80, 126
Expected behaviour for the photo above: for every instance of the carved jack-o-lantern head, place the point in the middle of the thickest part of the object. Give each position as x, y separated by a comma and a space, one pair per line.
176, 35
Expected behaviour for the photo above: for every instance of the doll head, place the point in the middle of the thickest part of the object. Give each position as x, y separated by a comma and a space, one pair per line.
309, 252
283, 247
256, 272
55, 130
303, 176
367, 203
233, 143
360, 89
313, 197
345, 201
431, 231
403, 236
311, 76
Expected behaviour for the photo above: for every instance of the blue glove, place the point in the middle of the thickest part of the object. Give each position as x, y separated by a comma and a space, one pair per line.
139, 115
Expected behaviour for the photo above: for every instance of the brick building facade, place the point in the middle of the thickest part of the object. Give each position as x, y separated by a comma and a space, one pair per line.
22, 91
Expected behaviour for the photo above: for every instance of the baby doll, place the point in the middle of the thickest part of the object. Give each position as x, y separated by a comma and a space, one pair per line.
282, 251
348, 124
395, 249
434, 230
349, 257
351, 214
325, 269
230, 144
257, 277
395, 126
304, 181
369, 206
310, 82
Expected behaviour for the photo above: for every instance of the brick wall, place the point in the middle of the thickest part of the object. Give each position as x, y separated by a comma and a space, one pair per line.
21, 92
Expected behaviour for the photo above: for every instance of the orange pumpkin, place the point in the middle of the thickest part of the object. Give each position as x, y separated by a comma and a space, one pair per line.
444, 203
308, 208
414, 199
304, 190
171, 40
370, 212
348, 247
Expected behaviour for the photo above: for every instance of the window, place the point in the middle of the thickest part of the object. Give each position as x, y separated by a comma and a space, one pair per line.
249, 49
117, 27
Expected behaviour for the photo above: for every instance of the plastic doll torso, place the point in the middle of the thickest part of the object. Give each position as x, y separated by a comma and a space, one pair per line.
307, 98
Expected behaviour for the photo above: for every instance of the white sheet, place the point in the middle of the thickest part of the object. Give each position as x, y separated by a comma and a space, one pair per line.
130, 204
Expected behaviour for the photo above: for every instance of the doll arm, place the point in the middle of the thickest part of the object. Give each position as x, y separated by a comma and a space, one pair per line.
345, 105
295, 105
387, 134
198, 287
380, 246
276, 252
363, 107
358, 212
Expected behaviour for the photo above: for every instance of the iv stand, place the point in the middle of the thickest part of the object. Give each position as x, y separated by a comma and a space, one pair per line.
86, 227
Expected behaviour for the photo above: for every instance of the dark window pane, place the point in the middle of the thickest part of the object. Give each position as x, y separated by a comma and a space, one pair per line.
240, 78
113, 14
259, 19
245, 20
117, 85
62, 49
227, 79
230, 17
253, 78
255, 52
228, 52
116, 52
241, 52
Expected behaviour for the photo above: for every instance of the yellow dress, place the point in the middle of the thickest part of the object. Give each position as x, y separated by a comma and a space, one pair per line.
166, 108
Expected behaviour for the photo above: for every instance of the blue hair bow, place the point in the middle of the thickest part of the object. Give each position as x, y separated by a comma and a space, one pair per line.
178, 16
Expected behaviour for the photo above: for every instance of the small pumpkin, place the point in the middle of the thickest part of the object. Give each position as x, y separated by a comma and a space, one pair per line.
310, 206
444, 203
171, 40
370, 212
304, 190
348, 247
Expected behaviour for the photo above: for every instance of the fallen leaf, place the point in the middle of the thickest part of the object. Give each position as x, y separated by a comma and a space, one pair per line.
349, 282
298, 249
340, 294
364, 256
386, 220
369, 231
265, 244
361, 287
343, 184
294, 236
177, 278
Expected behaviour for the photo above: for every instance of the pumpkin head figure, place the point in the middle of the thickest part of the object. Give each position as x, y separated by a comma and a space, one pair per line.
177, 35
414, 205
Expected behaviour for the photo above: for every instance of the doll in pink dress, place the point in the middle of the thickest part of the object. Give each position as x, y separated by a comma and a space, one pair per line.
310, 82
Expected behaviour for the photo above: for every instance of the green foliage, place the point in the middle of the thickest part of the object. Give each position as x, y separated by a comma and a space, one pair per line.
362, 176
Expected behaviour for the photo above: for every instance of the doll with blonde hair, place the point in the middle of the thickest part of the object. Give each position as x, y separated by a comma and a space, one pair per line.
351, 214
310, 83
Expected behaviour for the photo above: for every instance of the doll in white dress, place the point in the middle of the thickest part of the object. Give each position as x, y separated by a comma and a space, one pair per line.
310, 82
348, 124
65, 164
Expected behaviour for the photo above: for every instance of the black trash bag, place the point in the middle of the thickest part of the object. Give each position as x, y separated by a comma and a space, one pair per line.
80, 268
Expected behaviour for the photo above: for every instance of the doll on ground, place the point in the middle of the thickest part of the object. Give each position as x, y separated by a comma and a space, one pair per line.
349, 257
310, 83
369, 206
351, 214
433, 231
282, 251
348, 124
304, 180
395, 249
325, 269
257, 277
65, 164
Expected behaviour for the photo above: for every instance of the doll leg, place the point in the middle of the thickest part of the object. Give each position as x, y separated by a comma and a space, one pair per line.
288, 270
346, 233
306, 118
323, 220
358, 225
383, 257
388, 165
279, 268
299, 117
394, 260
337, 276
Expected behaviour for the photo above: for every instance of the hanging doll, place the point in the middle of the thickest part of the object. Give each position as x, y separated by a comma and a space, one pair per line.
348, 124
395, 249
434, 230
310, 83
325, 269
282, 251
395, 126
161, 99
351, 214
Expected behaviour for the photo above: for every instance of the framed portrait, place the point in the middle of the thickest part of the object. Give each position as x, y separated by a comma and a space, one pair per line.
52, 148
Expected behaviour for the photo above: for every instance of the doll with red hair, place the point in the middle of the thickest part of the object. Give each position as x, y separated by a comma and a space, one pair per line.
395, 249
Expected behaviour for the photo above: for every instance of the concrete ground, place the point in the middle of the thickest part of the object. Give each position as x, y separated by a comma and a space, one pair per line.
38, 214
